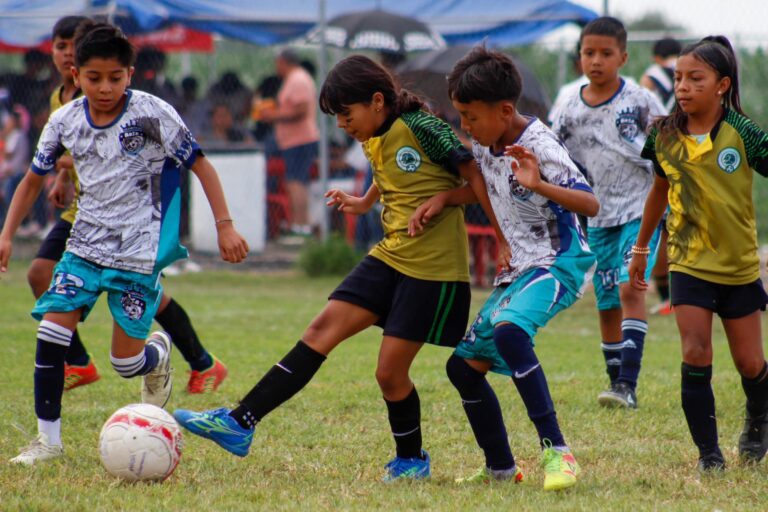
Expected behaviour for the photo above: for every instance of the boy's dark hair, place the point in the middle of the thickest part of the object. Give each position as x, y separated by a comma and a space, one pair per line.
717, 53
606, 26
667, 47
356, 79
102, 40
65, 28
484, 75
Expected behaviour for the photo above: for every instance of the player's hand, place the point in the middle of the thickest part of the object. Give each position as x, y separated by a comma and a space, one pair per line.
5, 254
525, 166
505, 255
232, 247
345, 203
637, 268
61, 194
424, 213
64, 163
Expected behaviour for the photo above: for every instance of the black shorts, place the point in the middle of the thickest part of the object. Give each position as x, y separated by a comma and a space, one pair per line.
728, 301
55, 242
412, 309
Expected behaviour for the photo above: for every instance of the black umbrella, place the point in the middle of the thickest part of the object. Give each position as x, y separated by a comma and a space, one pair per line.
379, 30
426, 75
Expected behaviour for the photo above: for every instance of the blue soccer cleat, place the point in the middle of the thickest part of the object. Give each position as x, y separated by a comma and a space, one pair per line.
218, 426
414, 469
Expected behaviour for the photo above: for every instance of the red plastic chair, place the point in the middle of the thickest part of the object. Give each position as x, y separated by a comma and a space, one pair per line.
278, 202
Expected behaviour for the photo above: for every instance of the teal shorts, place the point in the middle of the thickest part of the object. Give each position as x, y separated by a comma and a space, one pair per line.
612, 248
529, 302
133, 298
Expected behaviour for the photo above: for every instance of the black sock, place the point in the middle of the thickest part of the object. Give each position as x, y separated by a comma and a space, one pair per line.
483, 412
77, 355
175, 321
612, 356
633, 332
52, 343
515, 347
281, 382
405, 421
699, 406
756, 390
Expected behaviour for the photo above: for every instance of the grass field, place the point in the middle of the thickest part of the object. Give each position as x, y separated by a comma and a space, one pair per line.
325, 449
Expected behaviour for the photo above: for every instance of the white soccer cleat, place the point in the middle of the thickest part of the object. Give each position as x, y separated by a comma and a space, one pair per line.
37, 451
156, 389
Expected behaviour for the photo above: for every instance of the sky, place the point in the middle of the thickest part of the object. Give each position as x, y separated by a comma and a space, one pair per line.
743, 21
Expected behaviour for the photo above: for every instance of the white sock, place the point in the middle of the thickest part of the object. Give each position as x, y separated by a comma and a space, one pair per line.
52, 429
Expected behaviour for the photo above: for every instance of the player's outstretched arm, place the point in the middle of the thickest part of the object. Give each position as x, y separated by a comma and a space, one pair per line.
435, 204
232, 246
353, 204
22, 202
655, 204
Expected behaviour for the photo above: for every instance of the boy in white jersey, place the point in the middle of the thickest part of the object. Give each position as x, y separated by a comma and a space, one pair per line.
536, 190
127, 147
604, 126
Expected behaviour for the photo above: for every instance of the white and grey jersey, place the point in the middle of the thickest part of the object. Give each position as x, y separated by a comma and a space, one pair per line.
127, 214
540, 232
606, 140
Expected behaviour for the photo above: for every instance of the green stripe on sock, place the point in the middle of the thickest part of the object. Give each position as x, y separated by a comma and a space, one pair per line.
446, 311
437, 313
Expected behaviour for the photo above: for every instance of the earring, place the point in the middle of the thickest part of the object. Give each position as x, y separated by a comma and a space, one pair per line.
378, 109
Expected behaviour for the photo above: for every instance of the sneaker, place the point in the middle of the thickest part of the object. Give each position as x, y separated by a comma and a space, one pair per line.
37, 451
416, 468
75, 376
218, 426
620, 395
663, 308
753, 442
712, 461
156, 389
560, 468
207, 380
486, 476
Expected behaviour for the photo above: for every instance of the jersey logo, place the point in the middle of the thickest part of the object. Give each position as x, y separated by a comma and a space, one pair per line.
408, 159
133, 303
132, 138
729, 159
517, 190
628, 123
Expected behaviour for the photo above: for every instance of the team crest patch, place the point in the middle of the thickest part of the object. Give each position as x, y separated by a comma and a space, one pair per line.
133, 303
132, 138
408, 159
517, 190
729, 159
628, 123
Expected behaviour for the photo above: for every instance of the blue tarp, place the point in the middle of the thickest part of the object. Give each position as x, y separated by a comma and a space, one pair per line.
266, 22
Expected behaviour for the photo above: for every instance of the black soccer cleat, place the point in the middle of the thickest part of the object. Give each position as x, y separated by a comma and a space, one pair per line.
620, 395
711, 461
753, 441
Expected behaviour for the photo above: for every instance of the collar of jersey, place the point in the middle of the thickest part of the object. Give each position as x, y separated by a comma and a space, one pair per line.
696, 150
531, 120
384, 128
622, 82
128, 94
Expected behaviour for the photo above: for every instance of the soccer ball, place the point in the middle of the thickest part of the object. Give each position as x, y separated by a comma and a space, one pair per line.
140, 442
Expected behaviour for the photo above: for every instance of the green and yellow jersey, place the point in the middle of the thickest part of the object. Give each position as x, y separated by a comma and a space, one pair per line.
71, 211
413, 159
711, 222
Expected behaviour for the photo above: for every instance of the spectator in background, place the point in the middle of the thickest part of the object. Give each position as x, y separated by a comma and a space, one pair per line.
231, 91
149, 75
222, 130
296, 132
265, 99
660, 76
193, 110
16, 159
34, 85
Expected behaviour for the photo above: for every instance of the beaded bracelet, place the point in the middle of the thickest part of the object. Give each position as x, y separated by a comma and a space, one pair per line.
221, 221
642, 251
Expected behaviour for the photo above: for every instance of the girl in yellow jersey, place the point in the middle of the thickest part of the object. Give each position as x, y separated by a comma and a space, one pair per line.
415, 288
704, 153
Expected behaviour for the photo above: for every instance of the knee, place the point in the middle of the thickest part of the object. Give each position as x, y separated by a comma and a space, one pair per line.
697, 351
514, 346
315, 331
38, 277
392, 379
749, 367
629, 296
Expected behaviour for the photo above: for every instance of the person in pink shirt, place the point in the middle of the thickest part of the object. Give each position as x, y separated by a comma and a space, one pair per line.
296, 132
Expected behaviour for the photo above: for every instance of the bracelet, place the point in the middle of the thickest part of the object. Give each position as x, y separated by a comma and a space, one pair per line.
220, 221
642, 251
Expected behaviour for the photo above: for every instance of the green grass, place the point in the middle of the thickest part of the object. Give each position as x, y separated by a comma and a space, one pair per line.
325, 449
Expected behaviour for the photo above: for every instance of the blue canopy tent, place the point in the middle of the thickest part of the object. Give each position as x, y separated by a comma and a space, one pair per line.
264, 22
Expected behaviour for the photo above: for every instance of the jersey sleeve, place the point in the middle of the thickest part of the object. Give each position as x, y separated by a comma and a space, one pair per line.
755, 144
177, 140
649, 153
49, 147
557, 167
437, 140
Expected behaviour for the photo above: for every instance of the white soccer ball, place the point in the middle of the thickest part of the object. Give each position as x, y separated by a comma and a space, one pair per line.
140, 442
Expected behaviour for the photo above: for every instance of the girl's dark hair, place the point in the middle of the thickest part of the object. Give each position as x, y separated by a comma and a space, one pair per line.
717, 53
356, 79
66, 26
104, 41
484, 75
606, 26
